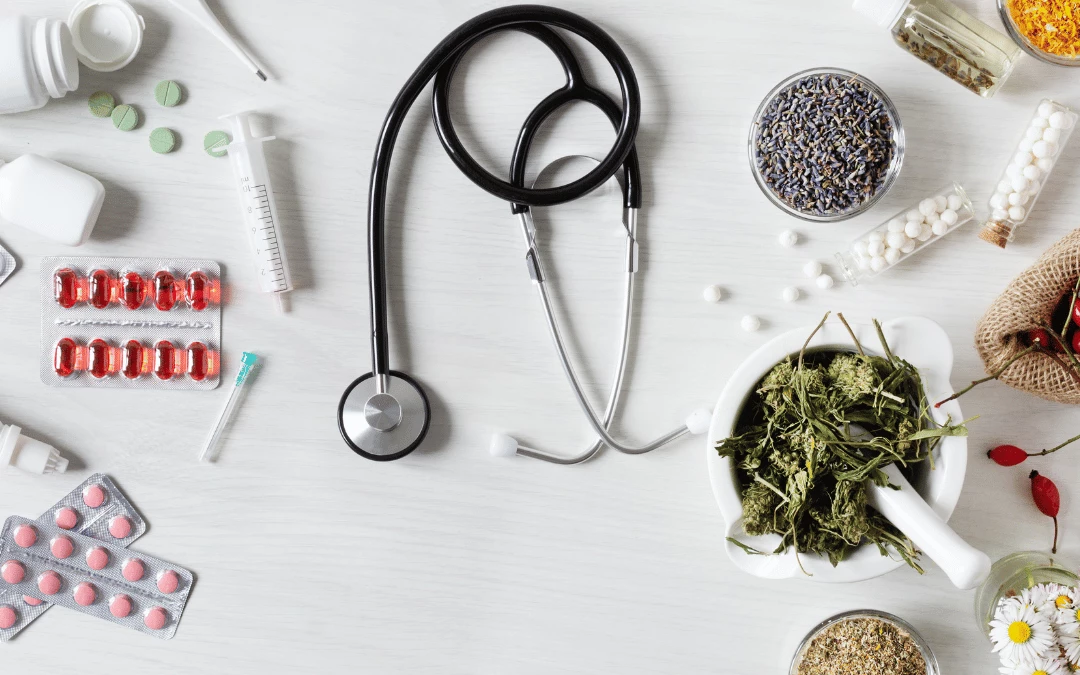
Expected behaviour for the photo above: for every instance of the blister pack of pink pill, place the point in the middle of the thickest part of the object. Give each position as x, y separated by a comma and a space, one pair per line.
94, 577
96, 508
131, 323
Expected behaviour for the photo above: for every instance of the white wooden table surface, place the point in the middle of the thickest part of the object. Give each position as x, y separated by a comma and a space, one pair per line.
311, 559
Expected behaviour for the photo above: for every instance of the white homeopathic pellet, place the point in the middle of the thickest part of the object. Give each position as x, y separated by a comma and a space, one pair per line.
791, 294
950, 217
789, 238
825, 282
896, 239
913, 228
713, 294
896, 225
927, 207
1059, 120
750, 323
892, 256
813, 268
955, 202
940, 228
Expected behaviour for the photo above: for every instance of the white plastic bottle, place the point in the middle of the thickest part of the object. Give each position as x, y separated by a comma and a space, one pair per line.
28, 454
49, 198
38, 62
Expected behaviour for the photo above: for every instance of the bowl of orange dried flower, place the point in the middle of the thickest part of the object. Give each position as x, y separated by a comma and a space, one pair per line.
1049, 31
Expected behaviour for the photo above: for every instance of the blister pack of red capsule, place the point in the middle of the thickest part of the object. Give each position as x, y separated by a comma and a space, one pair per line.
96, 577
131, 323
97, 509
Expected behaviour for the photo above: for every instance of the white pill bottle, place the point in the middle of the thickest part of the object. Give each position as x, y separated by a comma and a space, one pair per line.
38, 62
50, 198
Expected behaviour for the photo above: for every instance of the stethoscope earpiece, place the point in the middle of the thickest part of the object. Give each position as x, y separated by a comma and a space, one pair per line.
384, 425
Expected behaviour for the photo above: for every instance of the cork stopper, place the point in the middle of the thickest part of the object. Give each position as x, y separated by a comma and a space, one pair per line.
996, 233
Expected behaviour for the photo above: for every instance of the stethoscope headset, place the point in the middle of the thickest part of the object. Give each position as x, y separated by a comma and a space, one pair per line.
385, 414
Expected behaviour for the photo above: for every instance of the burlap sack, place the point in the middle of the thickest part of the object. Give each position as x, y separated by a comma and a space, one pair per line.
1027, 303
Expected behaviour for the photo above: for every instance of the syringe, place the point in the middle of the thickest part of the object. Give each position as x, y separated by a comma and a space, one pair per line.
258, 207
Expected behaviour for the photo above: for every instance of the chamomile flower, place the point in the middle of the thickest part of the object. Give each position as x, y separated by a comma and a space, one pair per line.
1068, 619
1057, 597
1070, 644
1019, 634
1036, 596
1042, 666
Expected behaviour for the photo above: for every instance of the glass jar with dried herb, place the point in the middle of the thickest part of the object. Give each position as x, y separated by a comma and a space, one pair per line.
949, 39
864, 642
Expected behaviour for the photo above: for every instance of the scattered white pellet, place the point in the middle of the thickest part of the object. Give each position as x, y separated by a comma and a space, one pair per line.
750, 323
789, 238
791, 294
713, 294
825, 282
813, 268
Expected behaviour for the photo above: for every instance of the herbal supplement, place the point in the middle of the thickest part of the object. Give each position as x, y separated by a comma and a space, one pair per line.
1032, 161
162, 140
216, 143
1047, 30
168, 93
825, 145
791, 294
102, 104
751, 323
905, 234
125, 117
713, 294
862, 646
947, 38
789, 238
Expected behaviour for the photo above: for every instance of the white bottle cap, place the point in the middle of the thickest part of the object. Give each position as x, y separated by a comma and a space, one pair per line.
28, 454
884, 12
108, 34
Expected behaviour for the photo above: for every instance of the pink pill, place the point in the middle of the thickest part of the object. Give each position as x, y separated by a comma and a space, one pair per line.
97, 558
67, 518
93, 496
85, 594
13, 572
133, 569
32, 601
61, 547
8, 617
155, 618
49, 583
168, 581
120, 527
25, 536
120, 606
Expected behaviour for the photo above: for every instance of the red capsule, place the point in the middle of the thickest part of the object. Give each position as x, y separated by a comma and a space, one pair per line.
165, 291
132, 290
164, 360
198, 290
98, 358
198, 361
66, 288
101, 289
134, 358
65, 357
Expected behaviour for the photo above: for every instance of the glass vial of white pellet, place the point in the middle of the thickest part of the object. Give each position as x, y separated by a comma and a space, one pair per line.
1029, 168
948, 39
905, 234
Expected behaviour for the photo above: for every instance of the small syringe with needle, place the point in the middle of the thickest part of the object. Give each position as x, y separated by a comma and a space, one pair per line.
209, 453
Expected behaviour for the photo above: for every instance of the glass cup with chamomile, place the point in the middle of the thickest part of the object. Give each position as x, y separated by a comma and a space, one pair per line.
1013, 574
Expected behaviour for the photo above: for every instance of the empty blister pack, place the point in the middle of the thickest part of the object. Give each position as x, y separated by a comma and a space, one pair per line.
95, 577
96, 508
7, 264
131, 323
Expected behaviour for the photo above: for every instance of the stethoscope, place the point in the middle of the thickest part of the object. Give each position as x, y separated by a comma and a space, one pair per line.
384, 415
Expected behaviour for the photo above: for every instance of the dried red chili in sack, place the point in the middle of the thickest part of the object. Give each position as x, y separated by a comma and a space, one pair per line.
1027, 304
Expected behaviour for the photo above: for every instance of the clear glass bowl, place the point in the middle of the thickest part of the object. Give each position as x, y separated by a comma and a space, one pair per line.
932, 667
893, 171
1015, 573
1025, 43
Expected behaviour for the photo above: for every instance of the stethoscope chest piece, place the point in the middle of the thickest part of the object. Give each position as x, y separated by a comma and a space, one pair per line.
384, 425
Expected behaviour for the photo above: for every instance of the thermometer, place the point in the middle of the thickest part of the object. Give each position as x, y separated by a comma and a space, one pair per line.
258, 207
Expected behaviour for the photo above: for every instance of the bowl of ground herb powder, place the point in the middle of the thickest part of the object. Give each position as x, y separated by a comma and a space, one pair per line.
826, 144
864, 642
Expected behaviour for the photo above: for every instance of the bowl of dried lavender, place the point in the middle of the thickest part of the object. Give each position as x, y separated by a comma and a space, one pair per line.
864, 642
827, 458
826, 144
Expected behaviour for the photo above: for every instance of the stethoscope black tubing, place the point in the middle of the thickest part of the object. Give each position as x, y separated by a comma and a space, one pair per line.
460, 40
575, 89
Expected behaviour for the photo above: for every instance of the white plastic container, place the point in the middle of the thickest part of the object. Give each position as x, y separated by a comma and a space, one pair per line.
27, 454
49, 198
39, 58
38, 62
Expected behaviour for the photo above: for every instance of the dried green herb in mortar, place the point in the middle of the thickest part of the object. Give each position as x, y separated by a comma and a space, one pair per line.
814, 432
